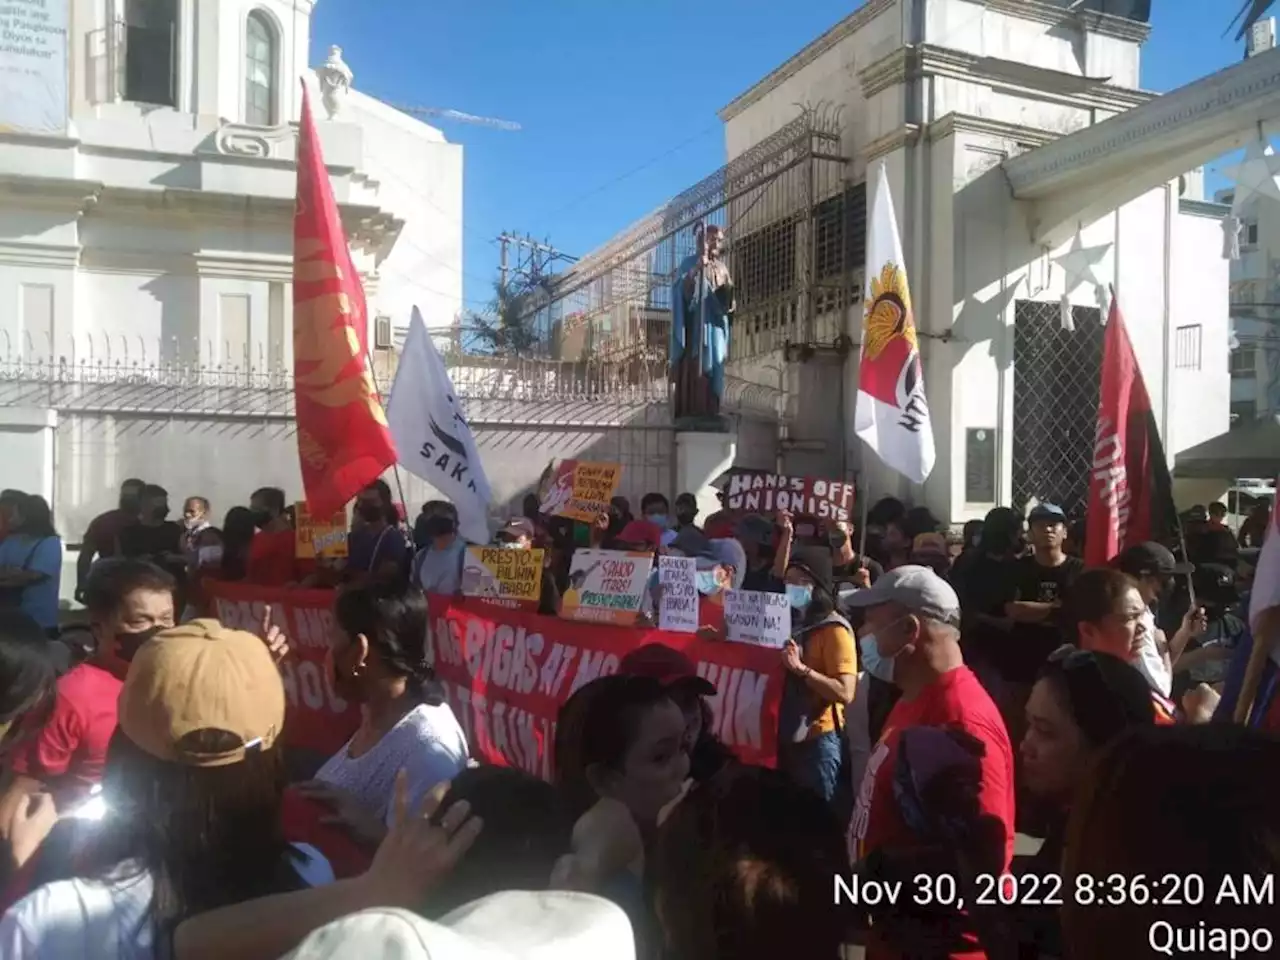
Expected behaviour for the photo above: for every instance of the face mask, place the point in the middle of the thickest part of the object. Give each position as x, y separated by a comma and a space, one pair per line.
192, 522
799, 596
510, 545
128, 644
261, 518
838, 539
160, 512
686, 516
370, 512
707, 582
209, 556
659, 518
877, 666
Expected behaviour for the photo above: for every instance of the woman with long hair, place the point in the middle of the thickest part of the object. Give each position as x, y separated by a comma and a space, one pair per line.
31, 562
27, 676
192, 792
378, 660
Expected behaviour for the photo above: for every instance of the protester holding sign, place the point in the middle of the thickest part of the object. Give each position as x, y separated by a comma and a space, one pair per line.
822, 665
518, 534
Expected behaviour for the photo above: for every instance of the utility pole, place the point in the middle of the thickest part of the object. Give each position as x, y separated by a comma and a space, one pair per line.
533, 258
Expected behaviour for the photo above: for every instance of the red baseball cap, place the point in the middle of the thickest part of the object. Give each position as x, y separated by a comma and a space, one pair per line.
666, 665
641, 531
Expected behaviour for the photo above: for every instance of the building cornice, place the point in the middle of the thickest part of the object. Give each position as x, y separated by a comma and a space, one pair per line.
952, 123
849, 25
898, 137
1204, 208
1104, 24
39, 255
1206, 99
137, 263
233, 266
1018, 79
49, 193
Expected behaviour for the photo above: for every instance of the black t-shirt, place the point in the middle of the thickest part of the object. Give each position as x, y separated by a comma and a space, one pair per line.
984, 585
142, 542
1031, 643
844, 572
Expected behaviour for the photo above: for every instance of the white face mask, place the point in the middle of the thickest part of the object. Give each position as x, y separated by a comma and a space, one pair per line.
873, 661
209, 556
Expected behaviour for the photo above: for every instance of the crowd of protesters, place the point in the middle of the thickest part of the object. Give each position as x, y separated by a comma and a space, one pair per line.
942, 694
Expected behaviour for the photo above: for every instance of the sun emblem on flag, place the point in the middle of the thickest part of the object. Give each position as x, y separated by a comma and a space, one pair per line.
888, 312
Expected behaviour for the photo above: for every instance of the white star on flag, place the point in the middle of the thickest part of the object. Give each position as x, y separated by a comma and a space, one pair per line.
1078, 263
1258, 174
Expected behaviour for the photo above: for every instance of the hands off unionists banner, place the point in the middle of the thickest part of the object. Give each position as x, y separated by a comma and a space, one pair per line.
506, 674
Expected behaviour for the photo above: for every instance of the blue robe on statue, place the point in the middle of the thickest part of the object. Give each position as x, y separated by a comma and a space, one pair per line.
699, 329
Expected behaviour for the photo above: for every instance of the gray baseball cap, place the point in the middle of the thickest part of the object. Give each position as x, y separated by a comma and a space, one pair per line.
918, 589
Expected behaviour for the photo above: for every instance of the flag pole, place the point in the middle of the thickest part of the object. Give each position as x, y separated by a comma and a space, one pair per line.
395, 467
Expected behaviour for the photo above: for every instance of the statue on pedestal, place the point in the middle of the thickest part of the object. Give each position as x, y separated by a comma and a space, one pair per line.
702, 305
335, 80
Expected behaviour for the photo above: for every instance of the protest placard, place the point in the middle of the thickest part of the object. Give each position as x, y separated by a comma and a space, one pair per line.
606, 586
757, 617
810, 500
678, 594
315, 537
580, 489
510, 578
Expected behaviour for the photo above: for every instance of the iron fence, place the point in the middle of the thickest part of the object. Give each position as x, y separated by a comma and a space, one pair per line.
1056, 383
795, 233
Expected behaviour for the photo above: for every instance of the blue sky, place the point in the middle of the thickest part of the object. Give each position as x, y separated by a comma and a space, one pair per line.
618, 98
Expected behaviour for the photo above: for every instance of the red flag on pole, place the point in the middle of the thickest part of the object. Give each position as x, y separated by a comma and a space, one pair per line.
343, 440
1130, 491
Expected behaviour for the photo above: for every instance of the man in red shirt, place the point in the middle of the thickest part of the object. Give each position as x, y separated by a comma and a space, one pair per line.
911, 639
273, 552
129, 601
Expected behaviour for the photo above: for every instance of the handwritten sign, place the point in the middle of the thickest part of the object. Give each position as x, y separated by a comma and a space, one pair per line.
316, 538
757, 617
678, 588
606, 586
767, 493
509, 578
580, 489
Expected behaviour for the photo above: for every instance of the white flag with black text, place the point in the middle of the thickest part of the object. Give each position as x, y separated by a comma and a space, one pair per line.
432, 435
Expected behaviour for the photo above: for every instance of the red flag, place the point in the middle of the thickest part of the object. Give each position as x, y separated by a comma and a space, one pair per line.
343, 440
1130, 491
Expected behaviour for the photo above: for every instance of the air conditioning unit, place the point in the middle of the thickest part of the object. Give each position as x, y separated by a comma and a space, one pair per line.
382, 338
1262, 36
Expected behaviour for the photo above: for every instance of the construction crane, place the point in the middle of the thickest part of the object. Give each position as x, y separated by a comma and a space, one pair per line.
457, 116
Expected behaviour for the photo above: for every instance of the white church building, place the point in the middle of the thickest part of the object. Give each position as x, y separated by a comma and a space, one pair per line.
1032, 174
147, 182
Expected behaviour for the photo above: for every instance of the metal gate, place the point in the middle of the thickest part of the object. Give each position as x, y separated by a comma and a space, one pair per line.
1056, 382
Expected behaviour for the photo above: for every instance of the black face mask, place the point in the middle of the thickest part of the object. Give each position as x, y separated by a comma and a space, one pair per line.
370, 512
159, 513
838, 539
261, 518
686, 517
438, 526
128, 644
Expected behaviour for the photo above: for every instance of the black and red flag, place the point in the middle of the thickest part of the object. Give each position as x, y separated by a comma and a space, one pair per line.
1130, 490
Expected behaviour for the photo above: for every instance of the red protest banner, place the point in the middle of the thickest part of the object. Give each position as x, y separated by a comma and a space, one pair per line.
317, 718
506, 674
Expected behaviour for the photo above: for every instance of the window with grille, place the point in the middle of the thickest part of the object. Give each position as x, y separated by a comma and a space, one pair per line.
764, 263
1251, 234
840, 233
260, 71
150, 69
1056, 383
1186, 347
1244, 361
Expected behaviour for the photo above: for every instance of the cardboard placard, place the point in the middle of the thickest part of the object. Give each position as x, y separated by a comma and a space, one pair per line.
510, 578
319, 539
580, 489
606, 586
678, 594
757, 617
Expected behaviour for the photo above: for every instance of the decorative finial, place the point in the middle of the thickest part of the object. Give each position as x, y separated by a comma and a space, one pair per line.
335, 81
